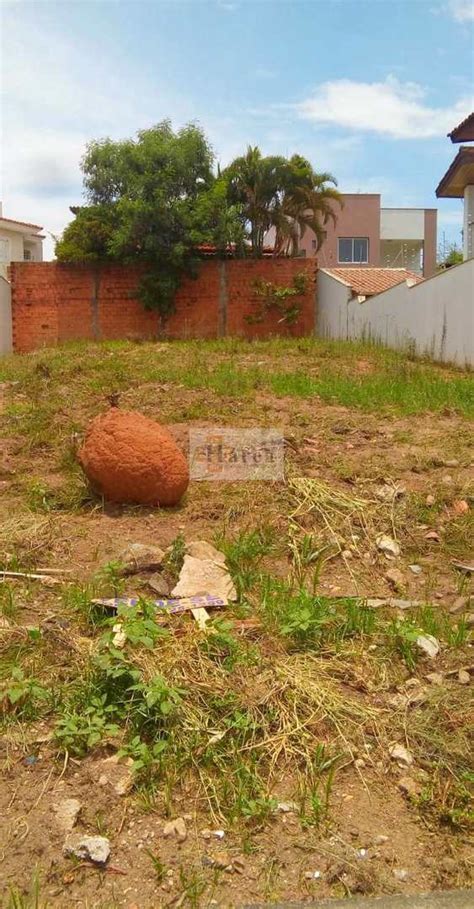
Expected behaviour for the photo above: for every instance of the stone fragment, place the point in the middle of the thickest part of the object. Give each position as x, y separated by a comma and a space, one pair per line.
428, 644
435, 678
287, 807
203, 576
461, 604
201, 549
460, 507
430, 500
463, 677
401, 874
129, 458
67, 812
176, 828
401, 755
415, 569
387, 545
159, 585
94, 848
140, 557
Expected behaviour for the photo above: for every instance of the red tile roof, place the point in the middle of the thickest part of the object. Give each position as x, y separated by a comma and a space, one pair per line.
23, 223
369, 281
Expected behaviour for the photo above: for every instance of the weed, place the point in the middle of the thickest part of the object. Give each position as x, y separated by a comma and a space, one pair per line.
159, 868
175, 557
245, 553
23, 695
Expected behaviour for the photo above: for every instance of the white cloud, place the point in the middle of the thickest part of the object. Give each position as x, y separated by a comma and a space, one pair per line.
392, 108
461, 10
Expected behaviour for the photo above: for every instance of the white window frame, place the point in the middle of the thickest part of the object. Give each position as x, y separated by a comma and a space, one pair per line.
353, 261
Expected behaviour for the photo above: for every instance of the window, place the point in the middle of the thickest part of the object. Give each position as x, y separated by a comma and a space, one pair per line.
353, 249
27, 255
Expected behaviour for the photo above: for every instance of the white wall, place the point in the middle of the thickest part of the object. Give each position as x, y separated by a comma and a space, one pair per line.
5, 317
402, 223
435, 317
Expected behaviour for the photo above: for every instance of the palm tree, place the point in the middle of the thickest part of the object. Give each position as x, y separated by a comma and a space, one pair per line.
255, 185
287, 195
307, 202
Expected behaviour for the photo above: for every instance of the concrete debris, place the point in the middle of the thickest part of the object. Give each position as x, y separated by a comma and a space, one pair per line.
94, 848
387, 545
67, 812
313, 875
428, 644
204, 576
401, 755
415, 569
176, 828
158, 584
217, 834
116, 773
140, 557
201, 549
119, 638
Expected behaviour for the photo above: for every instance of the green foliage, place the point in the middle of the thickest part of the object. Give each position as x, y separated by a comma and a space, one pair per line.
280, 298
284, 194
23, 695
147, 205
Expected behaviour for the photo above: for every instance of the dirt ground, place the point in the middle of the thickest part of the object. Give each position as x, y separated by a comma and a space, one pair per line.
378, 836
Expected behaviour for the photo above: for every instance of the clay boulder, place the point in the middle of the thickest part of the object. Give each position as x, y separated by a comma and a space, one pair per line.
129, 458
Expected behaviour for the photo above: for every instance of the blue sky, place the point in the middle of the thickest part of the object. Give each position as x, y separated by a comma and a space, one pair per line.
366, 89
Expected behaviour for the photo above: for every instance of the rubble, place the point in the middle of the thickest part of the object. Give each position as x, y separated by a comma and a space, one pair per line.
204, 576
67, 811
428, 644
401, 755
387, 545
176, 828
94, 848
140, 557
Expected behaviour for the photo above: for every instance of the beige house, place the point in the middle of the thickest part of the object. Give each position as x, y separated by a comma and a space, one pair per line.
19, 242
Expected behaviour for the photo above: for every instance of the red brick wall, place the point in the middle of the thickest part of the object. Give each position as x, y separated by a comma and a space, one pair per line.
52, 302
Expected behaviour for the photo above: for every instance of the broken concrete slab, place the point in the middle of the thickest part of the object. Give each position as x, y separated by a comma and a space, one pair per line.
204, 576
140, 557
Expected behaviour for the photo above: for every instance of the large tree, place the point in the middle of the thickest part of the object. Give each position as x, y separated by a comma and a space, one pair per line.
286, 195
153, 200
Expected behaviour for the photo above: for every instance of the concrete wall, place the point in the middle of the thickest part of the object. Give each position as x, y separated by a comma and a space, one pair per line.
12, 247
52, 302
434, 318
5, 317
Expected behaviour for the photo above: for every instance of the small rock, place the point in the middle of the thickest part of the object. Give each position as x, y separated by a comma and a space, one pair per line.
94, 848
381, 839
176, 828
361, 853
401, 874
463, 677
313, 875
117, 774
447, 480
347, 554
140, 557
449, 865
387, 545
238, 865
469, 620
67, 813
286, 807
359, 763
461, 604
388, 493
396, 579
428, 644
221, 860
204, 576
119, 638
401, 754
452, 462
415, 569
158, 584
435, 678
201, 549
409, 786
430, 500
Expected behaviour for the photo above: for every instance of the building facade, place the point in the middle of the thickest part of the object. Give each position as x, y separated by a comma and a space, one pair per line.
366, 234
458, 181
19, 242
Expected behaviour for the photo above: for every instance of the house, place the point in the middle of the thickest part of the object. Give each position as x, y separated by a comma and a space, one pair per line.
366, 234
362, 282
458, 181
19, 242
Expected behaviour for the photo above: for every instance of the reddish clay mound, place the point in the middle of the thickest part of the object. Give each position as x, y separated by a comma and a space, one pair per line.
129, 458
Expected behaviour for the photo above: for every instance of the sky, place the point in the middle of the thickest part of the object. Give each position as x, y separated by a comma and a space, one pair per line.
366, 89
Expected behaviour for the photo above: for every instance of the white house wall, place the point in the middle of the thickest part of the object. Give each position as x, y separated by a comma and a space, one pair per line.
402, 223
5, 317
435, 317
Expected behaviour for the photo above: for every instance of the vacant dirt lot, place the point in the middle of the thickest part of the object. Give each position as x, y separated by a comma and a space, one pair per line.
307, 741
